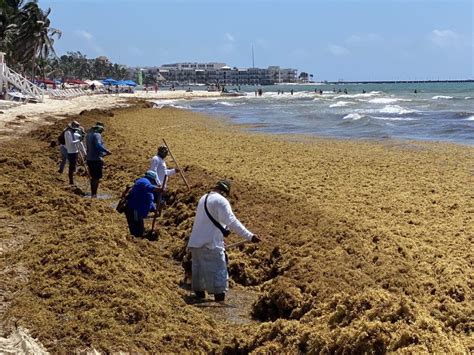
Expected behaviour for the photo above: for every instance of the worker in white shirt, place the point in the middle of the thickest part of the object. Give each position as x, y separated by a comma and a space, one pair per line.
158, 165
72, 139
214, 220
78, 134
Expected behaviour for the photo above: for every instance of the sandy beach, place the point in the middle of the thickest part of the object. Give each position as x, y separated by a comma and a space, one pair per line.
367, 244
25, 117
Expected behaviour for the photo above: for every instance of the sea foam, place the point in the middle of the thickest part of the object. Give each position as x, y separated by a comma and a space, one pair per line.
340, 104
394, 118
383, 100
353, 116
442, 97
395, 109
230, 104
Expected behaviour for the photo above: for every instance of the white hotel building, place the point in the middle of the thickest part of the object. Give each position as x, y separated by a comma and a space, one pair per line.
220, 73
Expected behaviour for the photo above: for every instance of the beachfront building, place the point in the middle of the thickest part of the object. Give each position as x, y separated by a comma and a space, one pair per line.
220, 73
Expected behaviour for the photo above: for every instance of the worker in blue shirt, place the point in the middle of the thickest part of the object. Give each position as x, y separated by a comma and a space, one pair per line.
95, 151
140, 202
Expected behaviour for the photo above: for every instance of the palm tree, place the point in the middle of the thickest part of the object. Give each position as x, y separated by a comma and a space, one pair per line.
9, 28
35, 38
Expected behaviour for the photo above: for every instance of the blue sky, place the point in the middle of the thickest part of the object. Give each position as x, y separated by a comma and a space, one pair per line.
350, 40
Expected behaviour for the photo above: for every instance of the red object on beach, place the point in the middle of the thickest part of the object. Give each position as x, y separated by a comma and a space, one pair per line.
75, 81
47, 82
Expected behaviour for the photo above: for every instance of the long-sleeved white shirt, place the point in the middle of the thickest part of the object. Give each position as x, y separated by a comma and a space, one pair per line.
158, 165
71, 139
204, 233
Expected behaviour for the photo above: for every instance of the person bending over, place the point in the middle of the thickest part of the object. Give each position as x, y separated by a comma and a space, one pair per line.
140, 202
206, 243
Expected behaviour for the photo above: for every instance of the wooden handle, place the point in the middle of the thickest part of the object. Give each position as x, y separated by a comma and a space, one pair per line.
176, 163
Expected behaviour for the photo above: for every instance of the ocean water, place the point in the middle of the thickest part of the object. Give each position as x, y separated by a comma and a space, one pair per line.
437, 112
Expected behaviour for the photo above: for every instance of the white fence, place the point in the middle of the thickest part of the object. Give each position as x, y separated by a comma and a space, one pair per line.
26, 87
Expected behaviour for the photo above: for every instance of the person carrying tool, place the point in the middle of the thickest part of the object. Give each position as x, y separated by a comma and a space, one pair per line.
158, 165
214, 220
95, 151
71, 139
140, 202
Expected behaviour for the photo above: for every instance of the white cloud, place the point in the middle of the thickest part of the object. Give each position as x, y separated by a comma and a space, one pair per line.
337, 50
84, 34
443, 38
229, 37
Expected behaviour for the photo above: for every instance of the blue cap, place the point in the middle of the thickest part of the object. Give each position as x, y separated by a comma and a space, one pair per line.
153, 176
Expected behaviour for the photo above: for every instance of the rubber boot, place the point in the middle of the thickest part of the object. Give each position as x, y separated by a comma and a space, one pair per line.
200, 294
219, 297
71, 177
94, 187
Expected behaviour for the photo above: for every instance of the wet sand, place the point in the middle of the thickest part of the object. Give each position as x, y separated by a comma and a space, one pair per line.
367, 245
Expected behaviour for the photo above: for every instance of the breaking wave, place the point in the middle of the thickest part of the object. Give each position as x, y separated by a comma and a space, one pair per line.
340, 104
395, 109
442, 97
394, 118
353, 116
229, 104
382, 100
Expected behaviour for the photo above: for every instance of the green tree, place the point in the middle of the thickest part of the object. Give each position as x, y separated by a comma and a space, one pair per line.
25, 33
303, 76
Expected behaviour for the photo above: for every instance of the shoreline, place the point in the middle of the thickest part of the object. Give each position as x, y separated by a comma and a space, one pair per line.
26, 117
346, 224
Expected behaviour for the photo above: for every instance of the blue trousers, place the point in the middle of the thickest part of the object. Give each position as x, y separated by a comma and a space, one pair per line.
136, 224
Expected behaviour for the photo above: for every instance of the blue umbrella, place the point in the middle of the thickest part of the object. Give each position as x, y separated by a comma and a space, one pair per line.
130, 83
109, 81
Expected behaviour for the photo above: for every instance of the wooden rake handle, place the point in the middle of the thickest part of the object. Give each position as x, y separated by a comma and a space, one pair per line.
176, 163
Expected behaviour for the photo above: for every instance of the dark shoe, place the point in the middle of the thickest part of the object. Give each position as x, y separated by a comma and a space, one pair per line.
219, 297
152, 236
200, 294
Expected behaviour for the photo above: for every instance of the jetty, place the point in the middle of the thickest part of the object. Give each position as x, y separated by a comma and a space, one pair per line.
342, 82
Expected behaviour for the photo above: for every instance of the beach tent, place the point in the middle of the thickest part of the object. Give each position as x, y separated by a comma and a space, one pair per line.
75, 81
97, 83
130, 83
47, 82
109, 81
120, 83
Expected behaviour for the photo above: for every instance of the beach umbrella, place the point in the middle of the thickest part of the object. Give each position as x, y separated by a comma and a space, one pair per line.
47, 81
75, 81
109, 81
130, 83
97, 83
